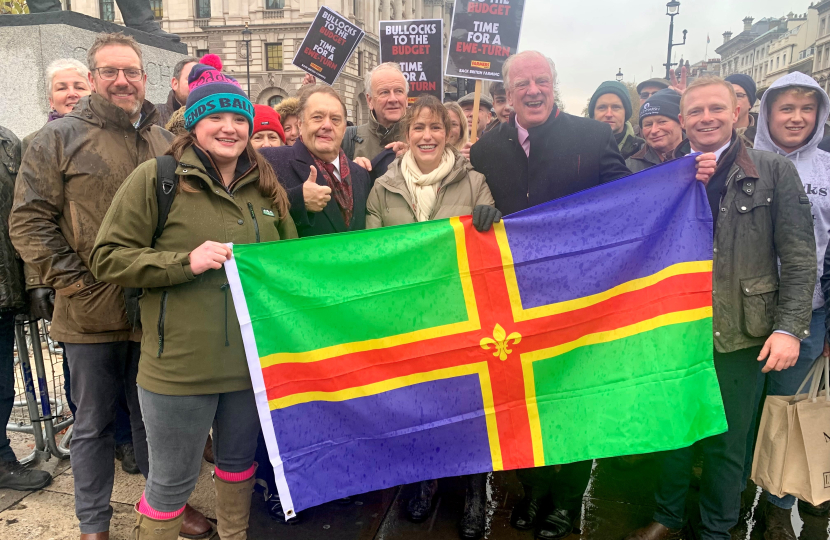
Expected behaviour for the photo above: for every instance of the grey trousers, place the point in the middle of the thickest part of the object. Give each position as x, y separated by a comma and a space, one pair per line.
137, 13
100, 372
177, 428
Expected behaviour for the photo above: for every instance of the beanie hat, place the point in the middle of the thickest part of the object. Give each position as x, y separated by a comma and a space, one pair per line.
665, 102
267, 119
745, 82
612, 87
212, 92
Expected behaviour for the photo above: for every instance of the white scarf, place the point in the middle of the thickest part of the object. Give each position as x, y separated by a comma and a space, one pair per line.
423, 188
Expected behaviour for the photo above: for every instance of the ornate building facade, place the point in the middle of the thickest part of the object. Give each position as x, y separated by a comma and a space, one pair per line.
277, 28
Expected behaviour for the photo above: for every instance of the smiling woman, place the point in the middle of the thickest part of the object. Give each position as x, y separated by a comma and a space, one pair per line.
195, 374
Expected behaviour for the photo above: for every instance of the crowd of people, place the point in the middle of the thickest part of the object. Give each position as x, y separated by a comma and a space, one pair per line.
116, 214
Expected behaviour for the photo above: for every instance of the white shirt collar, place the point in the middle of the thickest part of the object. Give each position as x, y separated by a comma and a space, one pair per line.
336, 164
719, 151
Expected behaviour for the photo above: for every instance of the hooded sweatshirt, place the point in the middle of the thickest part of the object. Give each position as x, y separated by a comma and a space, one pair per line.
813, 166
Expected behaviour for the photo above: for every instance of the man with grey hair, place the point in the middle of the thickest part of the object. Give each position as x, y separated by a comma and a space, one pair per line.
179, 90
538, 155
386, 95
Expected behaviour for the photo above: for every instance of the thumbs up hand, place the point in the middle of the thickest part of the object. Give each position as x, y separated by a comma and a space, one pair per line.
316, 196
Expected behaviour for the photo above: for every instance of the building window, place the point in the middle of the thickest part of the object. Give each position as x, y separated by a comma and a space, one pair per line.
201, 52
360, 63
821, 27
203, 9
274, 4
107, 10
273, 56
818, 59
784, 61
273, 101
158, 9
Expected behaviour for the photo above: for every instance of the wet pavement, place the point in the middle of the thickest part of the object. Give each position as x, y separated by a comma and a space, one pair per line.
619, 499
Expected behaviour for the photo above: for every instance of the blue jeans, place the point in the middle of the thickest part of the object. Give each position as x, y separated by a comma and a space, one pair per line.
785, 383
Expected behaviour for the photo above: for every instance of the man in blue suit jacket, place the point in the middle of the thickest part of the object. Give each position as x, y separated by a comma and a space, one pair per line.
315, 170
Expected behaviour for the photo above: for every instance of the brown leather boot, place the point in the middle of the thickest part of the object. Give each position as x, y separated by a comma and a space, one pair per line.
656, 531
779, 523
96, 536
195, 525
233, 507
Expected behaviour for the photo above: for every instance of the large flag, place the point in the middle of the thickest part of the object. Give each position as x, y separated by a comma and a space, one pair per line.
577, 329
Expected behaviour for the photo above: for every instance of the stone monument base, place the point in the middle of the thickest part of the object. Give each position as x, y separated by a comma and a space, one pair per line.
28, 43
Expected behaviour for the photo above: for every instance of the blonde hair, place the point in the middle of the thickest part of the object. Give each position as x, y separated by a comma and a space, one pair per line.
710, 81
107, 40
798, 91
453, 106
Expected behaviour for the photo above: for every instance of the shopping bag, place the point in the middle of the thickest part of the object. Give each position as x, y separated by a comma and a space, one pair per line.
790, 454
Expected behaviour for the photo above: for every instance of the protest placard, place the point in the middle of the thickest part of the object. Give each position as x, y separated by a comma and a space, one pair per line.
328, 45
417, 45
484, 33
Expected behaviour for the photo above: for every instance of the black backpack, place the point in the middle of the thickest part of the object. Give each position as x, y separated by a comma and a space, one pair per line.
166, 186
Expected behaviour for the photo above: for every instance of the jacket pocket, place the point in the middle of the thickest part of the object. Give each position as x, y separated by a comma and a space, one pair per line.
760, 298
162, 315
98, 307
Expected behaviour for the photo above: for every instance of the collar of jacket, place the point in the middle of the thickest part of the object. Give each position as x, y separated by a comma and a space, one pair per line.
684, 148
379, 129
649, 154
9, 150
173, 104
628, 132
743, 161
192, 163
554, 114
97, 110
394, 181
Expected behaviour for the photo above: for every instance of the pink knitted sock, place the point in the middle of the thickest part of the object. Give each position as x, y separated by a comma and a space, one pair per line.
145, 509
235, 476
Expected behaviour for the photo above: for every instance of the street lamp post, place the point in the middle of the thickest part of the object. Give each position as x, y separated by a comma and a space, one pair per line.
672, 9
619, 75
246, 37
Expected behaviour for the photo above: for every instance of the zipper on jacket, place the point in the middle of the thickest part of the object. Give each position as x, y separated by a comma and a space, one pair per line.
225, 288
162, 313
256, 225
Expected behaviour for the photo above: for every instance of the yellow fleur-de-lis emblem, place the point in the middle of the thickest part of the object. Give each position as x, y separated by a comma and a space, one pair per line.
501, 341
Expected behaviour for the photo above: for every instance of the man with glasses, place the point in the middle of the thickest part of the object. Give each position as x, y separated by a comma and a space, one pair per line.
648, 88
67, 180
745, 90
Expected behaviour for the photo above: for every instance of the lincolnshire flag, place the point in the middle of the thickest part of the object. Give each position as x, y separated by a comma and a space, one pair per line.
578, 329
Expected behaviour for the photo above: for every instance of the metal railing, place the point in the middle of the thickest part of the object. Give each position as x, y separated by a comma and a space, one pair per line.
202, 23
40, 406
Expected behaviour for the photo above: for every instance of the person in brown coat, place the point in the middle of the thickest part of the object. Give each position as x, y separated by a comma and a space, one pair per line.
67, 180
433, 181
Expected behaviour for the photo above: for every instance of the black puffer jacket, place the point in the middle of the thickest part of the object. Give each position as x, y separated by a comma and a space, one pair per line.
12, 295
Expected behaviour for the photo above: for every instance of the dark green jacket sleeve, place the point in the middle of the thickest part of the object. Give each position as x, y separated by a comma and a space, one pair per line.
122, 252
795, 244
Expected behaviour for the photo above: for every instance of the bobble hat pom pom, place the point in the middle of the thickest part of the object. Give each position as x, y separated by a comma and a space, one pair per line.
212, 60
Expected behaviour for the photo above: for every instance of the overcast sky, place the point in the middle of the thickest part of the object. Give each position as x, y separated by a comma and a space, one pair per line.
589, 40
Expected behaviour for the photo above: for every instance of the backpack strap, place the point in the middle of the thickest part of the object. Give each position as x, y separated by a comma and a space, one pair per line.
167, 183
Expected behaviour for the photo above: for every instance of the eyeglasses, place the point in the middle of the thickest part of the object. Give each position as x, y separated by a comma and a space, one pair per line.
110, 73
646, 95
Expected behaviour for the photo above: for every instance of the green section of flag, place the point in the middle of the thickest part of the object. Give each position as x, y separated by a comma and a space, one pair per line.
663, 378
317, 292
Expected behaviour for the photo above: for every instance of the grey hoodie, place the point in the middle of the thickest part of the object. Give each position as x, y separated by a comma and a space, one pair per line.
813, 167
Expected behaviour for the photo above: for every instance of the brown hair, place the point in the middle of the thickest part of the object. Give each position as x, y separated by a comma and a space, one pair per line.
268, 184
309, 91
114, 38
799, 91
288, 107
710, 81
431, 104
453, 106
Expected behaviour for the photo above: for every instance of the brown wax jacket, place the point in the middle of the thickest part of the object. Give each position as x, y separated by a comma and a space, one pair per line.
67, 180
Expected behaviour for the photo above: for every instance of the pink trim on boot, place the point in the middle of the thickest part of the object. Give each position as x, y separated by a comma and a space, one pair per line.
235, 476
145, 509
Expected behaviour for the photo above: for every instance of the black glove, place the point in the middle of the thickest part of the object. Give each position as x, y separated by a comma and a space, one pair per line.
484, 216
42, 302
